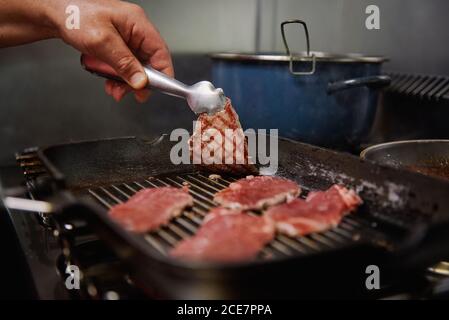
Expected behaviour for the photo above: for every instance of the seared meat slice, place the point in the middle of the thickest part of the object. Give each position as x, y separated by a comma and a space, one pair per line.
229, 154
321, 210
226, 236
256, 193
151, 208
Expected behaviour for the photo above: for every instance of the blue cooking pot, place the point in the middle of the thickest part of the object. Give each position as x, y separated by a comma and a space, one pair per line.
323, 99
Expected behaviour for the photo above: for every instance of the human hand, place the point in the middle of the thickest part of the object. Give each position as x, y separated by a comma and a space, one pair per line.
119, 34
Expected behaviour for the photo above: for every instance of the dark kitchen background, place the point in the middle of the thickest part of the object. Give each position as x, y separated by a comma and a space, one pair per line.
47, 98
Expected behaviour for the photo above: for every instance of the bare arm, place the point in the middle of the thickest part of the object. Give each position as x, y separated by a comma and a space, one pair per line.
23, 22
116, 32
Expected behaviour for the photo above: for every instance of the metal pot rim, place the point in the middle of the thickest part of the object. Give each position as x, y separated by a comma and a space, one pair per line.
302, 56
363, 154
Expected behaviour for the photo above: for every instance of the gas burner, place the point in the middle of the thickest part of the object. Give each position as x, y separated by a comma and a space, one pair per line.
102, 275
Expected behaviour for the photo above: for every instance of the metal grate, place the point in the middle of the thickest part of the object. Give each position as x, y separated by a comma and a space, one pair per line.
32, 169
202, 190
432, 88
30, 164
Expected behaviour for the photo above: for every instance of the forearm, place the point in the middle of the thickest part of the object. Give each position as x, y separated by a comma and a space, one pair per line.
24, 21
114, 32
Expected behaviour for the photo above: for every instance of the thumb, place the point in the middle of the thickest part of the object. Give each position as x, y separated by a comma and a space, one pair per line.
130, 70
116, 53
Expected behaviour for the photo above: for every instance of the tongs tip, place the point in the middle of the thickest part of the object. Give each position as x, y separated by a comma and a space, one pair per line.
205, 98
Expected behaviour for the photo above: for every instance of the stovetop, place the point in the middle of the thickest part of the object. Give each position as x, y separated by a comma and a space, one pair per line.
103, 276
47, 257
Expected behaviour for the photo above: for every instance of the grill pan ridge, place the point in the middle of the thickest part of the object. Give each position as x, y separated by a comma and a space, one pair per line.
202, 189
397, 204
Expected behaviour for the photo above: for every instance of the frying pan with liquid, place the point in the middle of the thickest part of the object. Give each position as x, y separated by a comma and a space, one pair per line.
428, 157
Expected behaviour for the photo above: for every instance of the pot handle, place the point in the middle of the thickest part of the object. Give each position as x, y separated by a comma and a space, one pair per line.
371, 82
291, 58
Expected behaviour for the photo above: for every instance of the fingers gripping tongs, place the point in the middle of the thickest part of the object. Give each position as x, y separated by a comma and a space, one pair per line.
201, 97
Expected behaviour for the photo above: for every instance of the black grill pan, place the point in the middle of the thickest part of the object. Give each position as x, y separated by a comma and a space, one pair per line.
402, 225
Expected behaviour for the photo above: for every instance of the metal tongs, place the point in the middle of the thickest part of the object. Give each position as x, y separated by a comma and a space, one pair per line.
202, 97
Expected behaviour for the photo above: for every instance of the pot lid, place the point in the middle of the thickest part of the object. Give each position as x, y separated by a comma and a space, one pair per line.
320, 56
